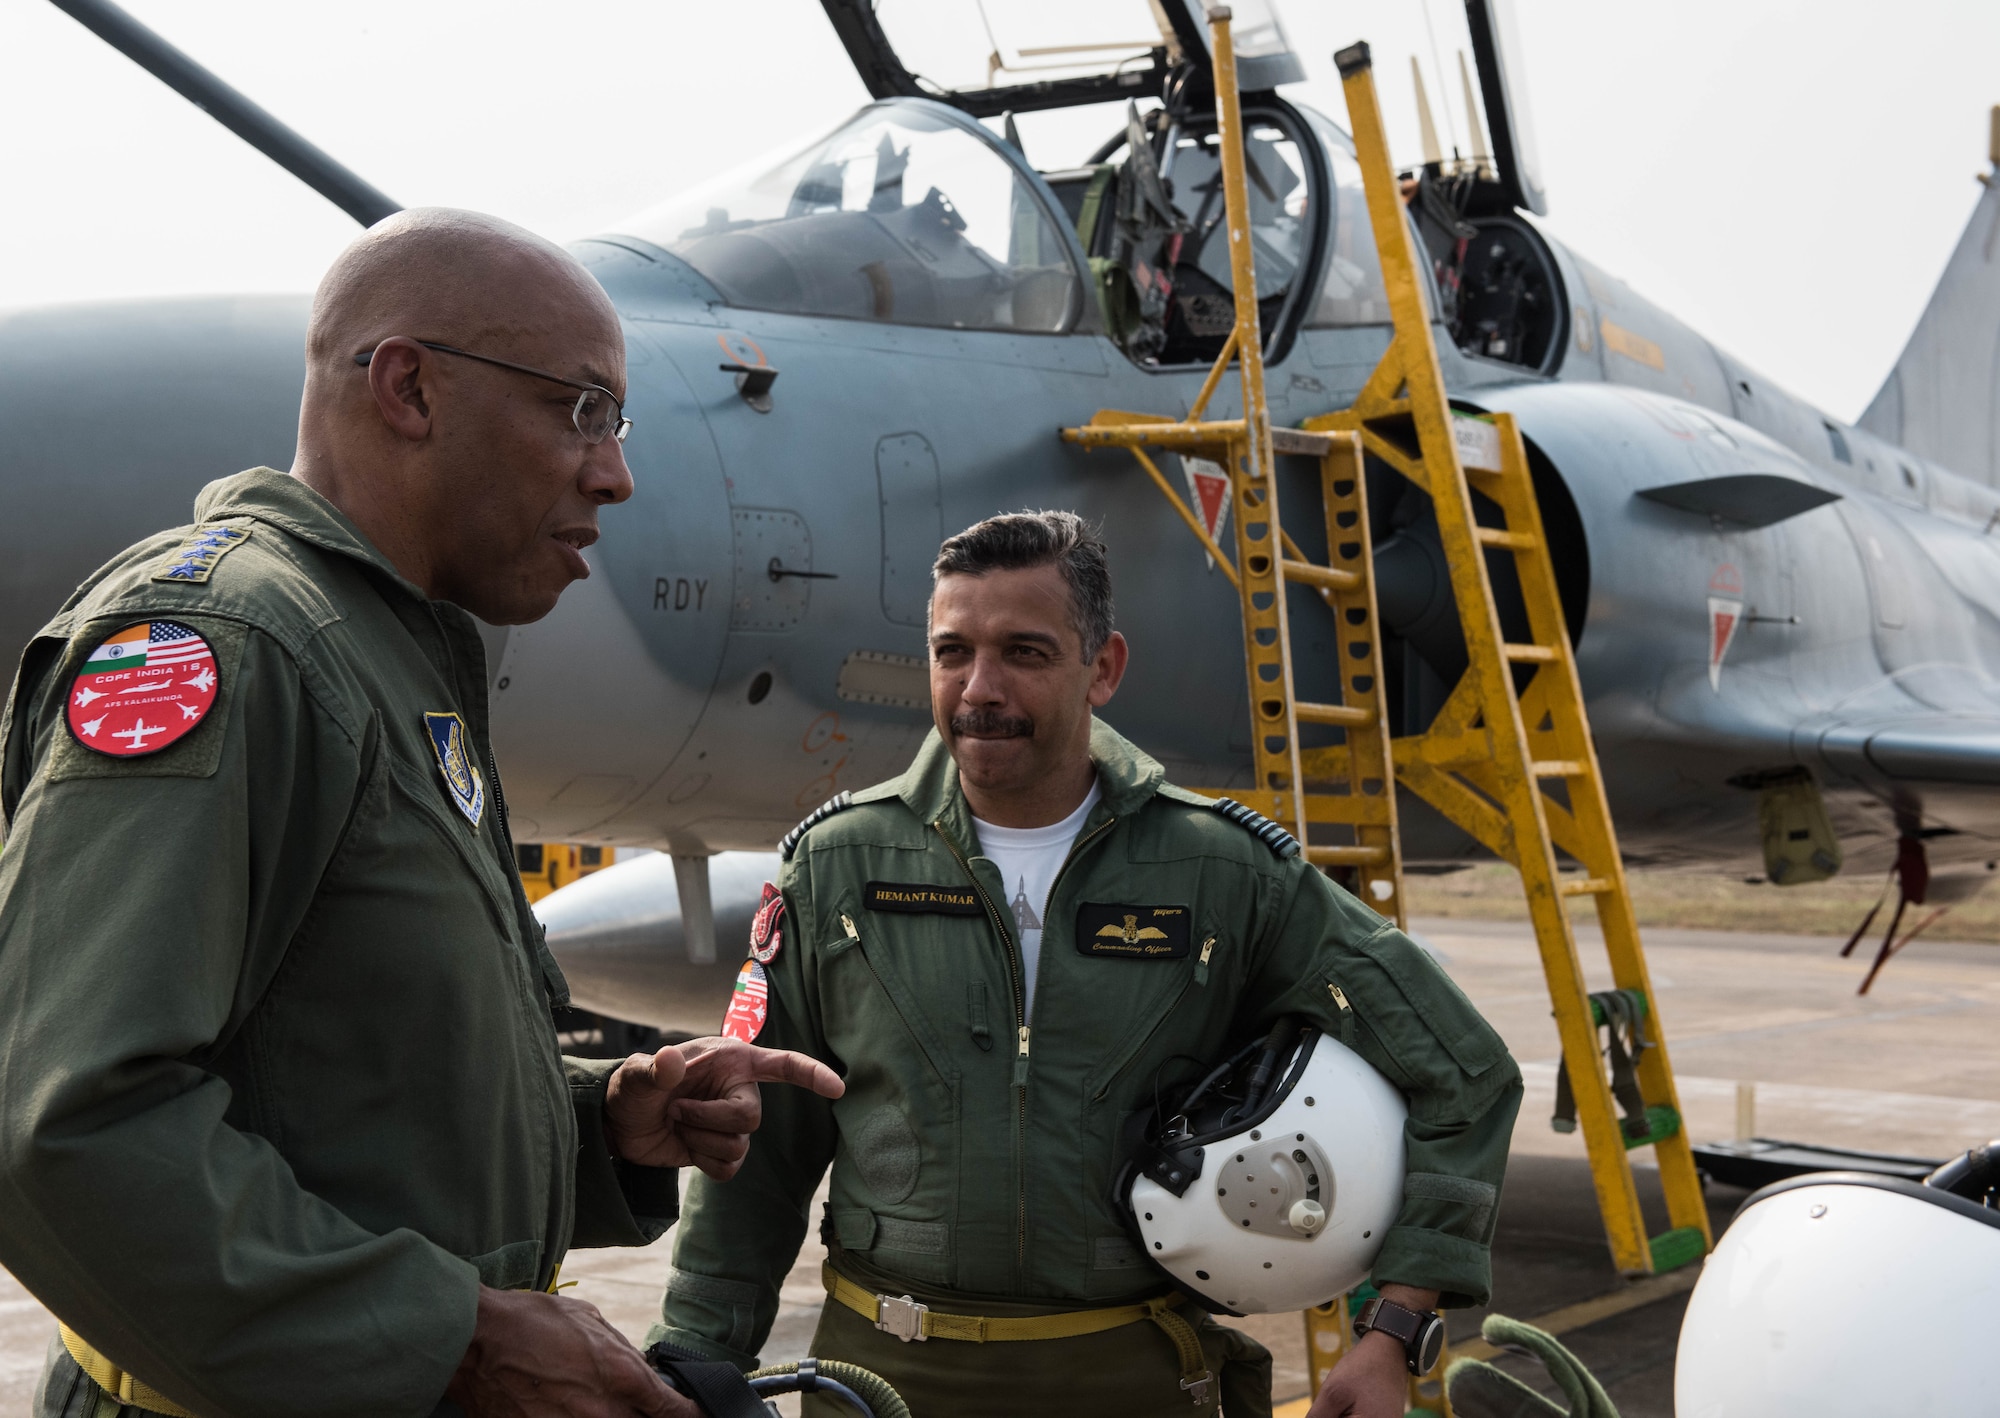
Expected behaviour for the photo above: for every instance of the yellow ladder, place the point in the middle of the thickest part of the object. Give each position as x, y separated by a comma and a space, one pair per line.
1484, 760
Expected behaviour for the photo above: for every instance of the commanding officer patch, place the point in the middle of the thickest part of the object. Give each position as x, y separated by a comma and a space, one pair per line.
750, 1005
196, 559
1133, 932
920, 899
818, 815
767, 934
142, 689
452, 743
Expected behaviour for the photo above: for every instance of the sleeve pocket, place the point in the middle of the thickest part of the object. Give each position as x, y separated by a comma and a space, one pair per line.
1430, 993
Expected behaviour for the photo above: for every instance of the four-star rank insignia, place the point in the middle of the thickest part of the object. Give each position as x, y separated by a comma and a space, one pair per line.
146, 687
767, 927
453, 745
1133, 932
194, 561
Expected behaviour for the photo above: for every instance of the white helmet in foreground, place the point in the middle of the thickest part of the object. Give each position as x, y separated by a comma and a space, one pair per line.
1849, 1293
1271, 1184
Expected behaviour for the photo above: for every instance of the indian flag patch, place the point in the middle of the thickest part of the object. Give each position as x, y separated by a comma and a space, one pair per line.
142, 689
749, 1005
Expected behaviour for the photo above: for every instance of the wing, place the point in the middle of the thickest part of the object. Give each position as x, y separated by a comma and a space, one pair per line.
1957, 749
1152, 933
1118, 931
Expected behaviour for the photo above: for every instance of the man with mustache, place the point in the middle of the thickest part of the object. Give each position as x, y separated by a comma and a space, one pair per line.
964, 945
283, 1124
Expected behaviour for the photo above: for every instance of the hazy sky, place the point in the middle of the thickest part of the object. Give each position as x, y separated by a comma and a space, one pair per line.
1787, 175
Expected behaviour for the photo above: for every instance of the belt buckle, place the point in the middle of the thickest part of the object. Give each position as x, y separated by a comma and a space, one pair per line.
901, 1316
1196, 1387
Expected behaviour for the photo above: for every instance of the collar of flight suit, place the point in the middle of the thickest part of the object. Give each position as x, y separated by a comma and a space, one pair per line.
1126, 777
283, 501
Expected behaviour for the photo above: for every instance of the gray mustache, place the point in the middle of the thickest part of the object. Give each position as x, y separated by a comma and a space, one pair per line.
991, 723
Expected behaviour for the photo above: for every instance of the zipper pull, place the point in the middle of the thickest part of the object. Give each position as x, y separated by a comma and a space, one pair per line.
847, 924
1021, 1060
1201, 965
1346, 1015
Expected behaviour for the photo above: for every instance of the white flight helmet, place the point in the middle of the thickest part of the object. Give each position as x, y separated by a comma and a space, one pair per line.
1849, 1293
1271, 1185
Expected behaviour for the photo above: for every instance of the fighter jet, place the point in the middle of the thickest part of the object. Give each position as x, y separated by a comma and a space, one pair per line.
1788, 627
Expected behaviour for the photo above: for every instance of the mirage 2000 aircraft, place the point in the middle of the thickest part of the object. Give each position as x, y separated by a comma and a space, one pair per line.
841, 355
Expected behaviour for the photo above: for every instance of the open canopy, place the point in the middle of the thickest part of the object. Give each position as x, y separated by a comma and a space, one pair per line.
987, 57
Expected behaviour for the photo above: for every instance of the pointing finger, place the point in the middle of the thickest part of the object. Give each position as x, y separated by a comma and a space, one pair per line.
784, 1066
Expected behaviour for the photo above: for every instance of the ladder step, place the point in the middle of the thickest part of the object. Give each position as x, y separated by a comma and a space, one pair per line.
1324, 577
1347, 856
1499, 537
1558, 768
1588, 886
1674, 1249
1342, 714
1530, 654
1662, 1123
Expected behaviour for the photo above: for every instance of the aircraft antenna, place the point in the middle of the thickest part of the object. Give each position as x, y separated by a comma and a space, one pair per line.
1482, 158
1433, 155
1444, 89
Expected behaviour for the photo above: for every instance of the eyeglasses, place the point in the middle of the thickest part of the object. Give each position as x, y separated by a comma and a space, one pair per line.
597, 412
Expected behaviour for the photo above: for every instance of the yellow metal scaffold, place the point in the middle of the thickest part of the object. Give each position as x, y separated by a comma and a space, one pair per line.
1514, 723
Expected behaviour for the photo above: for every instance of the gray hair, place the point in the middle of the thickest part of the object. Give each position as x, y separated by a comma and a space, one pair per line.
1020, 541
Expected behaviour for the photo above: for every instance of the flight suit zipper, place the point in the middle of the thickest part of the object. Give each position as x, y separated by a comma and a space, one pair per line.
1020, 1054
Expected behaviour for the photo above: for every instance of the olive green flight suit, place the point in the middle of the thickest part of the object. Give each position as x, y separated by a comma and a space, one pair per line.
973, 1159
279, 1085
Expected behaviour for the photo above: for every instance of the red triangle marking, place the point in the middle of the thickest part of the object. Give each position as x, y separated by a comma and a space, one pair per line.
1212, 492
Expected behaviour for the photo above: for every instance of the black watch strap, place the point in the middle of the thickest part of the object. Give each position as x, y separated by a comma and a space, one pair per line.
1420, 1332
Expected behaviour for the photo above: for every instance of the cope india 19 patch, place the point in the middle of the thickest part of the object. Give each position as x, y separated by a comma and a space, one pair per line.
921, 898
142, 689
749, 1004
1134, 932
452, 745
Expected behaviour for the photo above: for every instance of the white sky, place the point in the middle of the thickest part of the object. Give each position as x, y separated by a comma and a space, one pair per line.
1787, 175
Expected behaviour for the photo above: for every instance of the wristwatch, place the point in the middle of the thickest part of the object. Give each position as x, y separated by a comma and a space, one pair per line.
1421, 1332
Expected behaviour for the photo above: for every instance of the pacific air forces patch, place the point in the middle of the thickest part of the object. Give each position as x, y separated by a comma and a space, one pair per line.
767, 927
750, 1005
462, 781
194, 561
142, 689
1133, 932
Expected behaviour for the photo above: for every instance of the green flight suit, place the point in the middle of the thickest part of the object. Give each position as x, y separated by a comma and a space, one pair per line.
973, 1160
279, 1085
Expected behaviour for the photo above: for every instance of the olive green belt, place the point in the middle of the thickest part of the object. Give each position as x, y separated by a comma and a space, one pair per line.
910, 1320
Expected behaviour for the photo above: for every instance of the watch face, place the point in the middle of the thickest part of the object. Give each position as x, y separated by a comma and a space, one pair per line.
1429, 1344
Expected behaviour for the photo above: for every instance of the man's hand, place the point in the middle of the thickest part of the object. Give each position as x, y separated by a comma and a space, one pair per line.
697, 1103
1372, 1378
544, 1356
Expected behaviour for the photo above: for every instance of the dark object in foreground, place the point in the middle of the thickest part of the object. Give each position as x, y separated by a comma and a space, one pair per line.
724, 1391
1760, 1161
1479, 1390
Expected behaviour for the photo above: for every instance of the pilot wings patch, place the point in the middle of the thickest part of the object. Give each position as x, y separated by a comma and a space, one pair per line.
1134, 932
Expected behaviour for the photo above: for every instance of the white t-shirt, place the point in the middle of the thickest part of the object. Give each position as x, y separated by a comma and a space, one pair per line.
1029, 858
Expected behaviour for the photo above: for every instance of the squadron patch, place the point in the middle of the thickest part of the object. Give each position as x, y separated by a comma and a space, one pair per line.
920, 898
1133, 932
767, 927
196, 559
142, 689
750, 1005
452, 745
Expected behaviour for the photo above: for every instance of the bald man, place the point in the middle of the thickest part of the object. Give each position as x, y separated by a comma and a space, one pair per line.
283, 1124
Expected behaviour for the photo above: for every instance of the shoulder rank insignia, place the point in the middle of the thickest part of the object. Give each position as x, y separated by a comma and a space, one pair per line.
196, 559
818, 815
452, 745
1281, 842
142, 689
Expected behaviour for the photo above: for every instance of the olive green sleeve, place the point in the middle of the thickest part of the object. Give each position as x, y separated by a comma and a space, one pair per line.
144, 906
738, 1239
1404, 1016
618, 1203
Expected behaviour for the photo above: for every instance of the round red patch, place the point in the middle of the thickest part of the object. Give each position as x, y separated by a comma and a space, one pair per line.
750, 1005
142, 689
767, 936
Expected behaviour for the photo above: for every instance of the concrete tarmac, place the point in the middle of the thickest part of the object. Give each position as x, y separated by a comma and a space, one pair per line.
1913, 1068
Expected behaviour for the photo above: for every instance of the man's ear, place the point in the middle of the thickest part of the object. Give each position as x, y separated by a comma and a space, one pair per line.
397, 377
1108, 670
